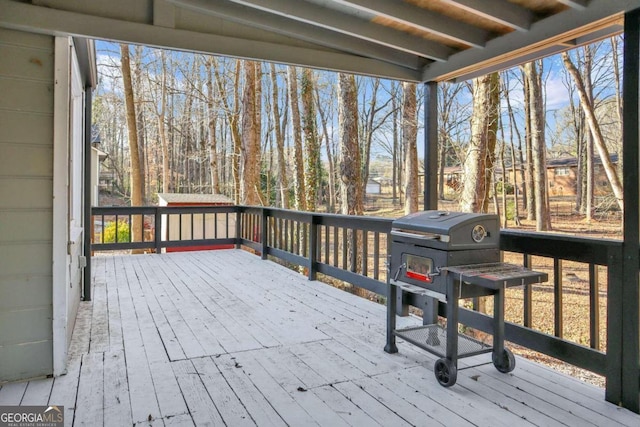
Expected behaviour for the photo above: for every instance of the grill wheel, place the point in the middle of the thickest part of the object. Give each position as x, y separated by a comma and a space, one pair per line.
506, 363
446, 372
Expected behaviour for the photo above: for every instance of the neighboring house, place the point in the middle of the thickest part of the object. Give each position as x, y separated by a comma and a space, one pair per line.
45, 83
562, 174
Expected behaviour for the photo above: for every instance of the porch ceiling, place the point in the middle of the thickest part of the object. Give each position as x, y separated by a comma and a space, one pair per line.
419, 40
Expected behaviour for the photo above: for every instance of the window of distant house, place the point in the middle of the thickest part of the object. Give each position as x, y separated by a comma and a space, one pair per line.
562, 172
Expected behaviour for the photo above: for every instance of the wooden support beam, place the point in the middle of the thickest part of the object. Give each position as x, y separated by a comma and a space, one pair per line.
423, 19
346, 24
500, 11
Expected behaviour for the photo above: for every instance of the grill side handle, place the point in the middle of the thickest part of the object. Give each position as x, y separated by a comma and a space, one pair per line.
419, 235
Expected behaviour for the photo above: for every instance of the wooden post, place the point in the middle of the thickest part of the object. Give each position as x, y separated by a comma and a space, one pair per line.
630, 330
313, 248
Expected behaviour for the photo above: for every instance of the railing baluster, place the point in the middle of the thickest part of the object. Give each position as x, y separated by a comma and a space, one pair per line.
365, 253
557, 297
204, 226
157, 231
326, 244
344, 248
594, 307
354, 250
527, 296
376, 255
335, 246
313, 248
263, 233
192, 225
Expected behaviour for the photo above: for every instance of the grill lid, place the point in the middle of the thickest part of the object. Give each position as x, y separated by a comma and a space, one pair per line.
448, 230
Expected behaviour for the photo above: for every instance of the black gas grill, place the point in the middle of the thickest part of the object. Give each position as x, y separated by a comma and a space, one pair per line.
450, 256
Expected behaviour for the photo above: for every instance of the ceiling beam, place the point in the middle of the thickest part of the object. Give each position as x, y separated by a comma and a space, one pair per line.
500, 11
567, 25
299, 30
334, 20
423, 19
46, 20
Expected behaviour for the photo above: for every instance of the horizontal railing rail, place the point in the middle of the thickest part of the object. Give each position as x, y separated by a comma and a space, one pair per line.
355, 250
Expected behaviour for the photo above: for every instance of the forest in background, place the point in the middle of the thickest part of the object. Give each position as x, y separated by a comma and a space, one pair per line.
274, 135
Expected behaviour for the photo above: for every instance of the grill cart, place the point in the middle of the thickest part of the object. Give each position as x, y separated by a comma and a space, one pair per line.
450, 256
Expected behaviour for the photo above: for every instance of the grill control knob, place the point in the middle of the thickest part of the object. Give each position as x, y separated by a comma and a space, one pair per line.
478, 233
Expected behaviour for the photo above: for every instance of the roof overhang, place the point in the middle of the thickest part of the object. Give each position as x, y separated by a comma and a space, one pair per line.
415, 40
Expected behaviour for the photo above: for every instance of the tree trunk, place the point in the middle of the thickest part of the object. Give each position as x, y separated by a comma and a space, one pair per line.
313, 170
596, 132
514, 170
330, 157
282, 165
588, 85
538, 144
409, 141
352, 202
529, 182
480, 158
213, 149
136, 174
162, 133
251, 158
140, 119
300, 193
232, 121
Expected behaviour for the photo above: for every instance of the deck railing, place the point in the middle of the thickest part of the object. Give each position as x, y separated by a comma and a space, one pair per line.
355, 250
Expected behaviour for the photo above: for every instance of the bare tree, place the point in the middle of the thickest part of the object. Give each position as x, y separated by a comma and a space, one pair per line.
251, 150
533, 77
322, 110
213, 143
352, 200
279, 137
480, 158
300, 188
596, 132
513, 128
313, 172
409, 141
136, 174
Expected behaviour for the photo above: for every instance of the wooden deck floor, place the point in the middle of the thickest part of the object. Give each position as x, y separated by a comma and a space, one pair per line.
224, 338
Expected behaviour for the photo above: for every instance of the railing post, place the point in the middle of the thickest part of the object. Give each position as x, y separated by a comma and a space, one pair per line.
630, 284
238, 227
613, 386
313, 247
157, 232
264, 233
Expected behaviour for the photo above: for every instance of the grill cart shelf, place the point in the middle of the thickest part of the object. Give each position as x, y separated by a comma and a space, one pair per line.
450, 256
487, 279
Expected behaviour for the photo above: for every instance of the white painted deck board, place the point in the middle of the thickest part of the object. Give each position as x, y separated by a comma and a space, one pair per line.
225, 338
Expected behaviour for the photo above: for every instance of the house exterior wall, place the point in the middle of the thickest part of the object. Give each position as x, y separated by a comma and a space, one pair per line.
26, 203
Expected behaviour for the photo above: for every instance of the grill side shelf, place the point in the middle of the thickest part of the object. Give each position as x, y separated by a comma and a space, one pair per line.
495, 275
433, 338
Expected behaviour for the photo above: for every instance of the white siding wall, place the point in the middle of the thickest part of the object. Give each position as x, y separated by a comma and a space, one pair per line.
26, 171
